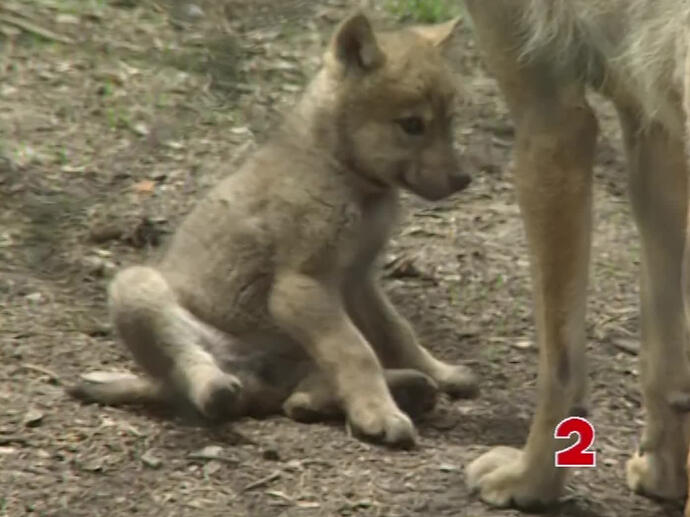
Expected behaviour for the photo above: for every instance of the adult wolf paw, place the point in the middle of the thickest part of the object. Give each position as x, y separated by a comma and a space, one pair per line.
502, 479
654, 475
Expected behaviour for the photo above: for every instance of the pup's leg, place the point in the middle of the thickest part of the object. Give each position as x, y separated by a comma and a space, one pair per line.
395, 342
658, 192
314, 398
119, 388
168, 341
555, 138
312, 312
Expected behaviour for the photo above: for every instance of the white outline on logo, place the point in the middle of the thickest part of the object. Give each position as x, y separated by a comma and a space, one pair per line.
576, 444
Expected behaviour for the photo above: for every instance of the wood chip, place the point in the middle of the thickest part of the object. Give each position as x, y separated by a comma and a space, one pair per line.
144, 187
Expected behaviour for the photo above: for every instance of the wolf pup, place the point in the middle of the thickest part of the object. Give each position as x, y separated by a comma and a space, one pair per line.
266, 298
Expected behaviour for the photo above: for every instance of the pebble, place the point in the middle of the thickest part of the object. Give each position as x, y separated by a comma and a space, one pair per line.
33, 418
150, 459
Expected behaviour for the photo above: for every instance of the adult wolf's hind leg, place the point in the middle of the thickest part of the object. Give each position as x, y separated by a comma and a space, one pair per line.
168, 341
658, 192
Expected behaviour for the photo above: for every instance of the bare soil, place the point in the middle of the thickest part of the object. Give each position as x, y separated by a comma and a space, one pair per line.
110, 135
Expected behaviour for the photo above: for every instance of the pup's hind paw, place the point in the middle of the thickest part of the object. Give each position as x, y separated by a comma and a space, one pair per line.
216, 395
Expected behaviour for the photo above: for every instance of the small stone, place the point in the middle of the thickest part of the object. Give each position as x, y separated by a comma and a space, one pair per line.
294, 466
33, 418
523, 344
447, 467
141, 129
193, 12
151, 460
43, 454
92, 465
210, 452
34, 297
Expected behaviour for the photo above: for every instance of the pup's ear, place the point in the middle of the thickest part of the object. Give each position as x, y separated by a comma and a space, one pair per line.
440, 34
354, 45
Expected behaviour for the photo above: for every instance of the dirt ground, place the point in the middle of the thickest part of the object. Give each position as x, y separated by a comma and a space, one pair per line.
112, 124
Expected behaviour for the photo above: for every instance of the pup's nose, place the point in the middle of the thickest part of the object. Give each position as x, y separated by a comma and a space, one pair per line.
459, 181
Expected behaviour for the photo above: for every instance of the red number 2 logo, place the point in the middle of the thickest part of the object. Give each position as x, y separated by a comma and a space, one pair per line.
577, 455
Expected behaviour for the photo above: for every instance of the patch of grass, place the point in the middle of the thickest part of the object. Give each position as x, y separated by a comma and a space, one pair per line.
106, 89
61, 156
117, 118
425, 11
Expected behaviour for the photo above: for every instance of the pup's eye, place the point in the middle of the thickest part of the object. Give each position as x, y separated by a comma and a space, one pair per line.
411, 125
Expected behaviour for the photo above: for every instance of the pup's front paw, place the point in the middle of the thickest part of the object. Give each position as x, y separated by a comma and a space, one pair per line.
503, 479
414, 392
382, 423
457, 380
304, 406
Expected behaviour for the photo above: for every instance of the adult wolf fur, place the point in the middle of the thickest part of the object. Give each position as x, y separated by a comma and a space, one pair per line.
544, 55
267, 296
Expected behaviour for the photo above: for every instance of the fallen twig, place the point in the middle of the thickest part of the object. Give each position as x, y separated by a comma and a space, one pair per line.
33, 28
263, 481
45, 371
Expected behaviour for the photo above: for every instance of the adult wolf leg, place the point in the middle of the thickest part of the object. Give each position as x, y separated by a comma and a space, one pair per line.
555, 138
658, 193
